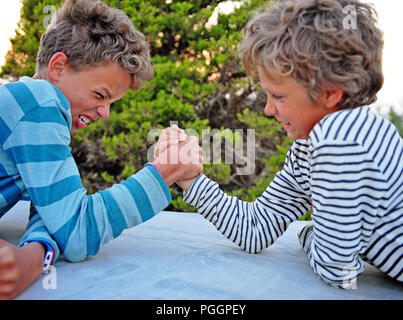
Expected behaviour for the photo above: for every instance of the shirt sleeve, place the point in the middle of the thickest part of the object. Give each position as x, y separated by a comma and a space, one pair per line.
255, 225
346, 192
79, 223
37, 232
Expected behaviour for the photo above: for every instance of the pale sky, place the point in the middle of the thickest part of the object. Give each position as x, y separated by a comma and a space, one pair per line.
390, 15
390, 20
9, 16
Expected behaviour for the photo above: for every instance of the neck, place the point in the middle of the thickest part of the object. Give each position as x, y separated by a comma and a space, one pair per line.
40, 75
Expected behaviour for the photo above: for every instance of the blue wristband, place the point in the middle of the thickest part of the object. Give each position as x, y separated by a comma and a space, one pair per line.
49, 255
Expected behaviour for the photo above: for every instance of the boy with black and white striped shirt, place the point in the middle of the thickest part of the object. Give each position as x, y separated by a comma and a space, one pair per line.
346, 162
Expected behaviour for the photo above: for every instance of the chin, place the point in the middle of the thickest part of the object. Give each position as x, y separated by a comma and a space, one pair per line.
73, 128
295, 136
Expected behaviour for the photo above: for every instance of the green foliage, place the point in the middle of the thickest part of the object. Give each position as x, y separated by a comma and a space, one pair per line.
275, 146
397, 120
199, 83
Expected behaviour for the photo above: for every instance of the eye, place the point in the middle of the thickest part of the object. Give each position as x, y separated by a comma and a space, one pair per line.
273, 95
277, 97
100, 95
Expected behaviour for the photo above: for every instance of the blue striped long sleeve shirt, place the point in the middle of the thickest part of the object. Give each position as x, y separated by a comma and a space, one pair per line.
36, 164
350, 170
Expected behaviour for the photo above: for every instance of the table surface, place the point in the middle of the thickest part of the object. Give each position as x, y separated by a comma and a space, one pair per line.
182, 256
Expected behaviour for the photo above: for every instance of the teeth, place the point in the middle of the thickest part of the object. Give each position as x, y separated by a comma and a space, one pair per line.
84, 120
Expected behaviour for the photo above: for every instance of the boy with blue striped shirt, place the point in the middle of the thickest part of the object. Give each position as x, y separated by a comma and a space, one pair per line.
89, 57
320, 74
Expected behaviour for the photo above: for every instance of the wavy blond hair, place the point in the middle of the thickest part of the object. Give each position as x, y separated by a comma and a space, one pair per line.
91, 33
311, 41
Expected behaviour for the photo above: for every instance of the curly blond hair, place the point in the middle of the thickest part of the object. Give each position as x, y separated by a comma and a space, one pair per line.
91, 33
310, 41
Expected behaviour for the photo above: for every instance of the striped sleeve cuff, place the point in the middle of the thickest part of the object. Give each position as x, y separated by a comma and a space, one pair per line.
37, 232
305, 236
156, 176
194, 195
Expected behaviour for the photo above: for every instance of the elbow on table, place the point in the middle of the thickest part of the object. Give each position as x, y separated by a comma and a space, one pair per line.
78, 248
345, 280
253, 249
343, 283
77, 254
73, 256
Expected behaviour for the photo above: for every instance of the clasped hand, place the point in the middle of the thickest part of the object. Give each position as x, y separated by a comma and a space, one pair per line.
181, 153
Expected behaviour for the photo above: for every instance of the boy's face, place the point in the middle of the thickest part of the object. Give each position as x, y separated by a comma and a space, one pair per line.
92, 90
290, 104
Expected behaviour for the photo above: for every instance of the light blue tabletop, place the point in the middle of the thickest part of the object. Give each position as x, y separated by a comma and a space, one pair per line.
182, 256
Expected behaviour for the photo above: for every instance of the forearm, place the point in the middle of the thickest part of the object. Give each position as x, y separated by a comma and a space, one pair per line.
251, 225
103, 216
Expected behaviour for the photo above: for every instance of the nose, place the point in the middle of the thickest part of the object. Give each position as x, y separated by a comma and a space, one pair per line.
270, 108
103, 111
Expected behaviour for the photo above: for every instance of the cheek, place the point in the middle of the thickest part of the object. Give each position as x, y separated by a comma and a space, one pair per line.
307, 122
75, 106
81, 104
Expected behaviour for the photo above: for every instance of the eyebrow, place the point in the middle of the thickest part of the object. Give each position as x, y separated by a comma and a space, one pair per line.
268, 91
108, 94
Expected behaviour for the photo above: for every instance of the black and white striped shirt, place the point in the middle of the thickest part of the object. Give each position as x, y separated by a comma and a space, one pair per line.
350, 170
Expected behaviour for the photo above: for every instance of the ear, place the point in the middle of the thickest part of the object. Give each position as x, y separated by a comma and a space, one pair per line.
332, 97
58, 62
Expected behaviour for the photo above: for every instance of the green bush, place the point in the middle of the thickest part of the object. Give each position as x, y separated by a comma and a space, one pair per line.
397, 120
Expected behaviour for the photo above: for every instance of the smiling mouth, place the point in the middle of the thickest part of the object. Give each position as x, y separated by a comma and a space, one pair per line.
82, 121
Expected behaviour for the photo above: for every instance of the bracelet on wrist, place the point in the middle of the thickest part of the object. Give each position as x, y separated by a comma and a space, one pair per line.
49, 254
